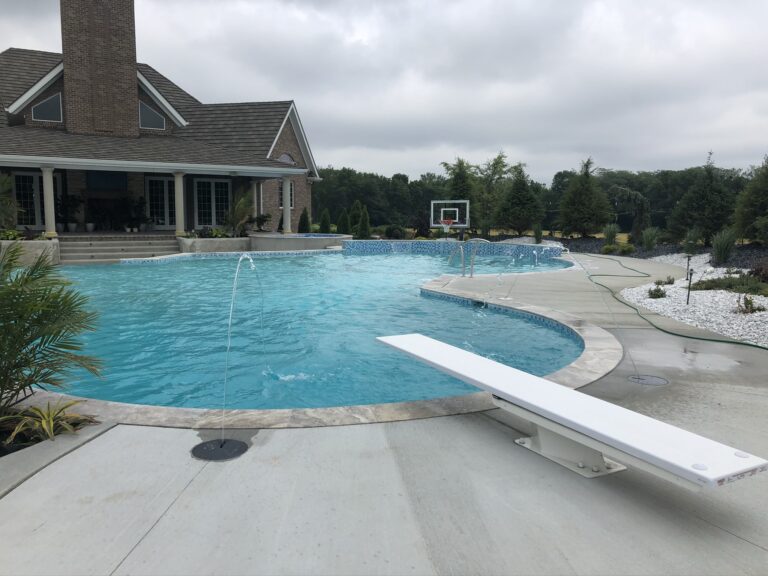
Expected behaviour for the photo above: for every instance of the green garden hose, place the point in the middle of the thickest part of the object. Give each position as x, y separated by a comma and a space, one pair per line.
637, 310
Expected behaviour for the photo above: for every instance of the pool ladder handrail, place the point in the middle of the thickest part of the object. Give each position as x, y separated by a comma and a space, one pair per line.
459, 248
476, 242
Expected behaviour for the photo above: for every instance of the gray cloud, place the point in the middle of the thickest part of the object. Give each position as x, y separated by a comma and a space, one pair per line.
399, 86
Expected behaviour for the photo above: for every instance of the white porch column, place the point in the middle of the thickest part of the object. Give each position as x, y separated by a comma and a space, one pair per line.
178, 193
255, 194
286, 205
48, 203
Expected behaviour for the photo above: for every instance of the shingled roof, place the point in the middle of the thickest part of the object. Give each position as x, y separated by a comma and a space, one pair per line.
216, 134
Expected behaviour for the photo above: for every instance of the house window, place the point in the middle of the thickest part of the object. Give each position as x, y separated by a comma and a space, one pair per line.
212, 201
280, 194
149, 118
287, 159
49, 110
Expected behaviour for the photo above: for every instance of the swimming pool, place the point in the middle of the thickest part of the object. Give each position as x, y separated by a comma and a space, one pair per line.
303, 333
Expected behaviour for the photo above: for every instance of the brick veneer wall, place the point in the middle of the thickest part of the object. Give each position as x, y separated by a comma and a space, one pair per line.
287, 143
99, 46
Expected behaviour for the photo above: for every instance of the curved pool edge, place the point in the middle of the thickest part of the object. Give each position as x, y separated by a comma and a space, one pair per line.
602, 353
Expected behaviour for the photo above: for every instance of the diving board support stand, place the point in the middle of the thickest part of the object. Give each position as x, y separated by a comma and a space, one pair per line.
574, 451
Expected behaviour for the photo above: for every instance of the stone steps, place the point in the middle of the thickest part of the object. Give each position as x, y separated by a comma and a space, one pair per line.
109, 249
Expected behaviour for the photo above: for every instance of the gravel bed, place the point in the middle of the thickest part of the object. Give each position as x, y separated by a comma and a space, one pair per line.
713, 310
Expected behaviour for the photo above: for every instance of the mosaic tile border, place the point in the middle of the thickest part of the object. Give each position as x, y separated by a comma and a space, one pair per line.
541, 319
224, 255
445, 248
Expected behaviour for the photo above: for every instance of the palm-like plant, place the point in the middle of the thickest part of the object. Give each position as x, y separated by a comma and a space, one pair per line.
40, 319
37, 423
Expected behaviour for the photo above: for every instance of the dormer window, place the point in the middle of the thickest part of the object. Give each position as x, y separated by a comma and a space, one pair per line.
287, 159
149, 118
49, 110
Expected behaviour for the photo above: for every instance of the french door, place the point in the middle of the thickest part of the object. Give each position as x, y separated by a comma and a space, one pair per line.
161, 203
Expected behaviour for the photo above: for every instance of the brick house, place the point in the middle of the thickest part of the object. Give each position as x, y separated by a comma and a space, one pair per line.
92, 136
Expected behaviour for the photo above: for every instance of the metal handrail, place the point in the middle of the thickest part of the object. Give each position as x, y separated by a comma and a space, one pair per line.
459, 248
476, 242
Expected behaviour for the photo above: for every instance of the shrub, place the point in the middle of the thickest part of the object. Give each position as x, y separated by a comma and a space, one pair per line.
659, 282
743, 283
723, 244
219, 233
262, 219
36, 424
10, 234
650, 238
354, 214
364, 227
40, 319
610, 232
342, 224
395, 232
304, 225
746, 305
760, 270
670, 280
609, 249
625, 249
691, 240
538, 233
325, 222
657, 292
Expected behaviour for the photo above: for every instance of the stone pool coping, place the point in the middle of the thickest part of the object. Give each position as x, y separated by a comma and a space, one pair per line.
602, 353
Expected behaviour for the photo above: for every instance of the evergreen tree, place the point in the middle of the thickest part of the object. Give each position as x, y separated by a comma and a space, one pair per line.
584, 207
707, 205
304, 224
325, 222
751, 216
342, 224
354, 215
364, 226
520, 207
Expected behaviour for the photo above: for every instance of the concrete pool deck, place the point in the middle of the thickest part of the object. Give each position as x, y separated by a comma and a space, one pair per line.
441, 495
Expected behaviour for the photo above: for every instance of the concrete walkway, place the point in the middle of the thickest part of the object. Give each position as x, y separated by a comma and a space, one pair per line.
448, 495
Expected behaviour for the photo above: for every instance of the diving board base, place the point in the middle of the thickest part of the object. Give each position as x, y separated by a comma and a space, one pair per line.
558, 447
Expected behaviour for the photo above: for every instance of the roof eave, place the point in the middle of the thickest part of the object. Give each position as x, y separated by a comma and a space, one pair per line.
9, 160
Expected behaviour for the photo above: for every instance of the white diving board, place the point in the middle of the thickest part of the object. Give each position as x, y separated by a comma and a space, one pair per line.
584, 433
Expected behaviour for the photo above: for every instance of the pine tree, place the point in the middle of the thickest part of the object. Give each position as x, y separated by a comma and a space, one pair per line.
707, 205
364, 227
354, 215
584, 208
520, 207
751, 216
304, 224
342, 224
325, 222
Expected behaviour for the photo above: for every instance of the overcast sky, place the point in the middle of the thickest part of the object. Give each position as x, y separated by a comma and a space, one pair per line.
401, 85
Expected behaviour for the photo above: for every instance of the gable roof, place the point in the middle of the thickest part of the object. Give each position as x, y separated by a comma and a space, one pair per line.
246, 131
20, 69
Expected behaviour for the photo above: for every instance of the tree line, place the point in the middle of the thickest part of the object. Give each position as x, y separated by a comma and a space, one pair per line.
580, 201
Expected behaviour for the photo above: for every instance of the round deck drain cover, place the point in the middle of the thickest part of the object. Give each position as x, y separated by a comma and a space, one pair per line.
219, 450
648, 380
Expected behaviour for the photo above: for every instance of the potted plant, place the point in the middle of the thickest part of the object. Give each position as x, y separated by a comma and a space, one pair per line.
69, 206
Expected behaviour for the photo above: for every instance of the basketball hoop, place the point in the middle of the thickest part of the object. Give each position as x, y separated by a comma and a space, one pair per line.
446, 224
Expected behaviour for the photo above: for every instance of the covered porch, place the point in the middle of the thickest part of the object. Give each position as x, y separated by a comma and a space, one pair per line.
66, 196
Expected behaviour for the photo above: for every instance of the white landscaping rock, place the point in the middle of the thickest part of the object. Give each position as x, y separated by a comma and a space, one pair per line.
713, 310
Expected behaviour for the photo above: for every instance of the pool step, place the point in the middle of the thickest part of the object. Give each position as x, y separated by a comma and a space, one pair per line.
111, 249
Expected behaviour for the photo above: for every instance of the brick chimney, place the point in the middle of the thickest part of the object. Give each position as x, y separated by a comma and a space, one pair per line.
98, 39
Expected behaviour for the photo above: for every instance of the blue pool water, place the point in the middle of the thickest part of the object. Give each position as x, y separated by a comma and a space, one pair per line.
303, 333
